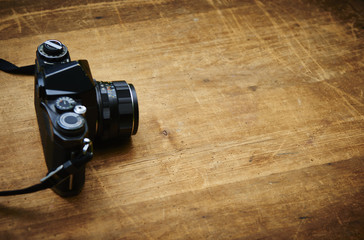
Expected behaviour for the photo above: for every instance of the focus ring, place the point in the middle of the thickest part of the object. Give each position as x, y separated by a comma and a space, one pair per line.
124, 107
116, 110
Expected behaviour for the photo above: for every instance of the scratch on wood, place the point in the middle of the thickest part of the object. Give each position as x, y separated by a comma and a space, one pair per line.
349, 105
3, 26
120, 20
298, 22
254, 31
33, 26
280, 32
338, 219
221, 16
299, 227
229, 27
270, 51
351, 25
325, 75
341, 92
339, 33
95, 29
299, 101
279, 148
16, 19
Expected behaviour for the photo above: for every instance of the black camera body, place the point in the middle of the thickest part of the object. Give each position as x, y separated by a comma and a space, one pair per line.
72, 108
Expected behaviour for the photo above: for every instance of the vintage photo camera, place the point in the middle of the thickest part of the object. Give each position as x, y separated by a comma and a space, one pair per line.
73, 110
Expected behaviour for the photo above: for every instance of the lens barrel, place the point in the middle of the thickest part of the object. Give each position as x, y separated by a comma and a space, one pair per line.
118, 110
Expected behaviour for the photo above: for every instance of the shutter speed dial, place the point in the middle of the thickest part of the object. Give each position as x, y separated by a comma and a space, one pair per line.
65, 104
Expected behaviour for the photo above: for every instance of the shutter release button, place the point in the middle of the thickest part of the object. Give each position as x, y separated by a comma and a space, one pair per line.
71, 121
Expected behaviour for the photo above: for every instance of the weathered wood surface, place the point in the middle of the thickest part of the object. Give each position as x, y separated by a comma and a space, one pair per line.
251, 120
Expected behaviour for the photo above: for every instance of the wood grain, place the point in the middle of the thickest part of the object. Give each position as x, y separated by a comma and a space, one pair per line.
251, 120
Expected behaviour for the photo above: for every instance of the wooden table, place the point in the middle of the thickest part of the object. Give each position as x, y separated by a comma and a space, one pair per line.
251, 120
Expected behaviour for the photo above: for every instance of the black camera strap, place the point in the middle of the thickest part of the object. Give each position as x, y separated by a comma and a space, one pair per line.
58, 175
31, 189
54, 177
11, 68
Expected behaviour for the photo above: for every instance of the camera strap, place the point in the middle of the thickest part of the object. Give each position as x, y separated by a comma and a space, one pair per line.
11, 68
58, 175
25, 70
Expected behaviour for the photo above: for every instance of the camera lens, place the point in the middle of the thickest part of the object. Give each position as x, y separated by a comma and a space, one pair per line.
118, 110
